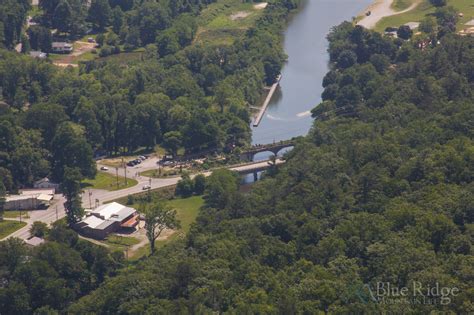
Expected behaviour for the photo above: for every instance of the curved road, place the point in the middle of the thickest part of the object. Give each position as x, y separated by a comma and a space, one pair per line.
381, 9
56, 210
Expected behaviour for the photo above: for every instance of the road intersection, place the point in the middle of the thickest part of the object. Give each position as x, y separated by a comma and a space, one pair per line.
56, 210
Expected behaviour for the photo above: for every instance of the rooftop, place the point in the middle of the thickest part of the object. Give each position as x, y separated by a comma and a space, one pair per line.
113, 211
34, 241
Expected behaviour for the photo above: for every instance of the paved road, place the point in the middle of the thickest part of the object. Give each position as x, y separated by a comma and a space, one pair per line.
381, 9
56, 210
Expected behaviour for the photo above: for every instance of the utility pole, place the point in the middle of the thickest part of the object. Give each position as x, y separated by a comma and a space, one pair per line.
90, 200
125, 168
116, 173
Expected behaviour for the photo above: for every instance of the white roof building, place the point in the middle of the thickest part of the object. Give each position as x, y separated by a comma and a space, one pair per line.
108, 218
113, 211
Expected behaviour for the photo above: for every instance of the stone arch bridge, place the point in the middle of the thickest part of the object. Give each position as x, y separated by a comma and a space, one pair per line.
275, 148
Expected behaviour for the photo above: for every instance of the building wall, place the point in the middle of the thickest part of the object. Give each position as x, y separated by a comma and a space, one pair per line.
100, 234
23, 204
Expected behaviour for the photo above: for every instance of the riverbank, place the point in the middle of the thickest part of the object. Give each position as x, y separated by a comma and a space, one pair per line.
381, 9
288, 113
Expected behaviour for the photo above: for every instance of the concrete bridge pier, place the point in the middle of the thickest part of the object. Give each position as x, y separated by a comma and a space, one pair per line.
255, 176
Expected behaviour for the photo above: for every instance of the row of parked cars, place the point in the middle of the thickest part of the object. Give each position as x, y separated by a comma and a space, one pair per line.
137, 161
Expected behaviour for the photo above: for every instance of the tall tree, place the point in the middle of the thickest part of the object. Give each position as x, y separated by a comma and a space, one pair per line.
70, 149
99, 14
2, 200
71, 188
158, 217
62, 17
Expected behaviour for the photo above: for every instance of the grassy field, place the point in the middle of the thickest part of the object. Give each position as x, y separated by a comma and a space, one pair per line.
187, 211
422, 10
223, 21
399, 5
15, 214
7, 227
108, 182
120, 243
165, 172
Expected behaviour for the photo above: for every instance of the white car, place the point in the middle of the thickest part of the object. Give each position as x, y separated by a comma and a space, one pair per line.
146, 187
104, 168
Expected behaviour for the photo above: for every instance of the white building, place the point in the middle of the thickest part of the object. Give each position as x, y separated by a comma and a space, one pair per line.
107, 219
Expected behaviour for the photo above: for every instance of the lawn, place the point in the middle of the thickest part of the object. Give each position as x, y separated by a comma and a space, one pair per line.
120, 243
15, 214
422, 10
187, 210
225, 20
163, 173
399, 5
108, 182
415, 15
7, 227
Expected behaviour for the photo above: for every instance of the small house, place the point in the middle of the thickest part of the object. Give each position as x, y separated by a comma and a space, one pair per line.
62, 47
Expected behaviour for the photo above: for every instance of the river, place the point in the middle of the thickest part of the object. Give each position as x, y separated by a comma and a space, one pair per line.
288, 114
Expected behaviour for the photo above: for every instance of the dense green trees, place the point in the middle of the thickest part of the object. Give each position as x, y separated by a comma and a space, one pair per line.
379, 191
47, 278
190, 97
99, 14
12, 16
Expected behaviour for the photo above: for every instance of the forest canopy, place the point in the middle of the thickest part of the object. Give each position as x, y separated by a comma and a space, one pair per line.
197, 96
380, 191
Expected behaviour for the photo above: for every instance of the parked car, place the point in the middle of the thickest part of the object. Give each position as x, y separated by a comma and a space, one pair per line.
131, 163
104, 168
146, 187
142, 157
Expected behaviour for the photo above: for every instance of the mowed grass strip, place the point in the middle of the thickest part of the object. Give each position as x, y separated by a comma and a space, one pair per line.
7, 227
108, 181
222, 22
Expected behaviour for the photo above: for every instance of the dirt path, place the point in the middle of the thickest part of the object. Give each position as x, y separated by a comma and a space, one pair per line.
79, 49
381, 9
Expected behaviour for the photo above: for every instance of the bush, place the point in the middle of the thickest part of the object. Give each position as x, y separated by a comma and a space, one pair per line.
185, 186
438, 3
199, 184
39, 229
404, 32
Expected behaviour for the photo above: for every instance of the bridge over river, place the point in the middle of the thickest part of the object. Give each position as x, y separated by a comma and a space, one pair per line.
275, 148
